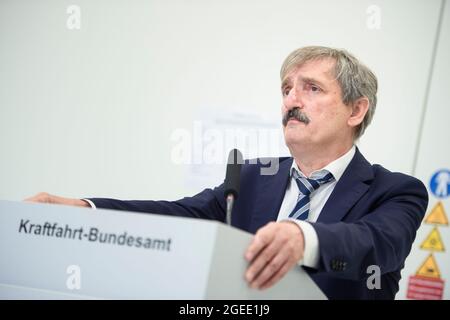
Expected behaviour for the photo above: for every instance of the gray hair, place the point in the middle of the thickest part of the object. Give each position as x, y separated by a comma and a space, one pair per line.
355, 79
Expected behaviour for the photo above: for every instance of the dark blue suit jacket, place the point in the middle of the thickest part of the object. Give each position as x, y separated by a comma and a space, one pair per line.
371, 218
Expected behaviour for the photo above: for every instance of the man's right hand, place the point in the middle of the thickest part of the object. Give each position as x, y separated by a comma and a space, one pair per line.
45, 197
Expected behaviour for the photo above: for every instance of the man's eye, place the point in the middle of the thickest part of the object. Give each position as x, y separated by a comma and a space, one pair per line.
285, 91
313, 87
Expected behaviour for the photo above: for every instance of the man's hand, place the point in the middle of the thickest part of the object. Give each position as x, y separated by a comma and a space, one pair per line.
275, 249
45, 197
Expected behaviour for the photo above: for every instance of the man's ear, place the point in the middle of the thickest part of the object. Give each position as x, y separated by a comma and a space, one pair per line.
359, 110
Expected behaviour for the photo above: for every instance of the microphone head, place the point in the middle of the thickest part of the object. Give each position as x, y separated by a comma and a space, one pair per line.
232, 178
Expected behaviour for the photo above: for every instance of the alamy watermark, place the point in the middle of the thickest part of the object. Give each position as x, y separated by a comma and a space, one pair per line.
207, 146
74, 19
73, 281
374, 280
373, 21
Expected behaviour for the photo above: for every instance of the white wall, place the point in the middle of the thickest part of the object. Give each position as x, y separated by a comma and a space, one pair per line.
90, 112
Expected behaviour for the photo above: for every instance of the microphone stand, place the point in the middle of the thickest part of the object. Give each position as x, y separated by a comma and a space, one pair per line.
232, 181
230, 202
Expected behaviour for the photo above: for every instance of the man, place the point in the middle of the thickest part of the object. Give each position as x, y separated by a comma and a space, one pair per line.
336, 214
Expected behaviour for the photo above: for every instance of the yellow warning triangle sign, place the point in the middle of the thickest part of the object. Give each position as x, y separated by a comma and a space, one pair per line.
433, 242
429, 268
437, 215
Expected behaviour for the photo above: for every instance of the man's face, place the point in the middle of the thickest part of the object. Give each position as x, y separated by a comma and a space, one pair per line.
313, 89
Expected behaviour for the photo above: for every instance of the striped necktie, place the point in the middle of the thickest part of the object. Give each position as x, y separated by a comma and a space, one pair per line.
306, 187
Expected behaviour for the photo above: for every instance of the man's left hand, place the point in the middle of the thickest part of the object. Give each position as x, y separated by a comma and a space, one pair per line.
275, 249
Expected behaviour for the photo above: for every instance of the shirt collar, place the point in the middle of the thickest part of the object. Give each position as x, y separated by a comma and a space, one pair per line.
336, 167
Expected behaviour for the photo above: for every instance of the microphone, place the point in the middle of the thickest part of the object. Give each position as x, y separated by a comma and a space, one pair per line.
232, 180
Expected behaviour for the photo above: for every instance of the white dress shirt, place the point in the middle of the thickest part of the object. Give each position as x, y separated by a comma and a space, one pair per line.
318, 198
90, 203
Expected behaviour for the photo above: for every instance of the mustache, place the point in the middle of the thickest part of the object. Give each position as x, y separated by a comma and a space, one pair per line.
296, 114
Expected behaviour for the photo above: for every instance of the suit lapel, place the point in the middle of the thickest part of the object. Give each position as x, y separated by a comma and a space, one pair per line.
349, 189
270, 194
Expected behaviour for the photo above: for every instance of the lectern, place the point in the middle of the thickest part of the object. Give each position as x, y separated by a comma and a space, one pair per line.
60, 252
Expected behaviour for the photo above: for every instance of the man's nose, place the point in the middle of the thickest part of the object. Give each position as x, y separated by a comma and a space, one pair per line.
293, 100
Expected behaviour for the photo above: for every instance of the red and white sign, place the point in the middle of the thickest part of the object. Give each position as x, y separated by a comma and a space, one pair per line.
425, 288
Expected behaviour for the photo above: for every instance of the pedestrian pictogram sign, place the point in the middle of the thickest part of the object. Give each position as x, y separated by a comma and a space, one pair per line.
433, 242
440, 183
429, 268
437, 215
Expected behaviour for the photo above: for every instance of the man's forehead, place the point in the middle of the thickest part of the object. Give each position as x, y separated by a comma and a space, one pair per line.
321, 69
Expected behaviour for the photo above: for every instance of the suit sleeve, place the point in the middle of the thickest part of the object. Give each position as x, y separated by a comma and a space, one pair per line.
208, 204
382, 237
